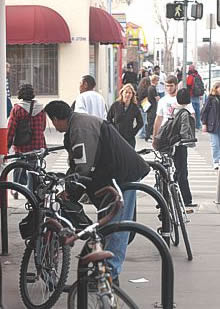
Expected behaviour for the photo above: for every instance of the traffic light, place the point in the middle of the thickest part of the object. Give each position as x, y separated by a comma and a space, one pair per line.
197, 10
218, 12
175, 10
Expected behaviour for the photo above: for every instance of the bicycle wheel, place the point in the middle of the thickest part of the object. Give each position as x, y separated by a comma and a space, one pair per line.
178, 205
174, 225
44, 270
122, 300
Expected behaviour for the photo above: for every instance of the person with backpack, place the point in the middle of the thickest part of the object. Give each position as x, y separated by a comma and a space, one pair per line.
167, 107
196, 88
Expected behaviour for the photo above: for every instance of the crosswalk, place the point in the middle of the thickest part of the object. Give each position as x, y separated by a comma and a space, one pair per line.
202, 177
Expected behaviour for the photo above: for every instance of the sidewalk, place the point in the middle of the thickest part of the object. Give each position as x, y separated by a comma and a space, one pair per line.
196, 283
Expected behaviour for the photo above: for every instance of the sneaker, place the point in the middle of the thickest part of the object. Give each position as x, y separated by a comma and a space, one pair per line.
216, 166
191, 205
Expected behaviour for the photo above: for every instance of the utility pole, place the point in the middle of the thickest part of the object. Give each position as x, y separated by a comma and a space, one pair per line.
3, 105
185, 42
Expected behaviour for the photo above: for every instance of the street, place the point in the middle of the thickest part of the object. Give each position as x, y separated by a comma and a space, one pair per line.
196, 283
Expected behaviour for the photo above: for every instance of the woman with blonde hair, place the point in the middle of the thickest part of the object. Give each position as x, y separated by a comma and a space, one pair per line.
125, 115
210, 117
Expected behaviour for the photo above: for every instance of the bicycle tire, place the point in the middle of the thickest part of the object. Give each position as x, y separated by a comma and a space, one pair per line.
178, 201
41, 287
174, 225
123, 299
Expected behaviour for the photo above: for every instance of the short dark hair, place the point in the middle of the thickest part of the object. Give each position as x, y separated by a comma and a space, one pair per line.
156, 67
58, 109
90, 81
26, 92
171, 79
183, 96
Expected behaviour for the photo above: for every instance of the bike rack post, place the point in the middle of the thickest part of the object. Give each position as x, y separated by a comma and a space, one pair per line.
1, 305
167, 274
161, 202
4, 203
218, 189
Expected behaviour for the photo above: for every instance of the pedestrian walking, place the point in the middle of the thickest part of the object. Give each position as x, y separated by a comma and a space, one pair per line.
153, 98
130, 77
210, 117
124, 112
165, 109
142, 93
98, 151
161, 83
196, 88
21, 111
90, 101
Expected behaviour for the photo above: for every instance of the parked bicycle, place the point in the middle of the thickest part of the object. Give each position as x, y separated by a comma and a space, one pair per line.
166, 183
99, 291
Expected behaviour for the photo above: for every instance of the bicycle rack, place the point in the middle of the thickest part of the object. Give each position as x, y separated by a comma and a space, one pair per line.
167, 273
161, 202
4, 201
4, 185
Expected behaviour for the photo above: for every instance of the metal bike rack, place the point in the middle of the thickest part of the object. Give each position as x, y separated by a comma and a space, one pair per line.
4, 185
4, 201
167, 273
165, 233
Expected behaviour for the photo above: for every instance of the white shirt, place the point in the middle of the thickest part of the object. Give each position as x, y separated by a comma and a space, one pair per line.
161, 84
166, 106
92, 103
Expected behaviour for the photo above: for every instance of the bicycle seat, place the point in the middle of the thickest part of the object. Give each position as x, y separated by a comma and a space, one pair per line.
96, 256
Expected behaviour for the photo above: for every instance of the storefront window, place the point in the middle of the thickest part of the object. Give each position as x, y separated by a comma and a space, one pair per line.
92, 62
36, 64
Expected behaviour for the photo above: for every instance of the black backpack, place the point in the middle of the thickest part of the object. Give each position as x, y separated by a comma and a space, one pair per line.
198, 86
169, 132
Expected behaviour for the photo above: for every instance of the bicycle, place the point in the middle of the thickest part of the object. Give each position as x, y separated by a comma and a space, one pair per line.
166, 183
95, 279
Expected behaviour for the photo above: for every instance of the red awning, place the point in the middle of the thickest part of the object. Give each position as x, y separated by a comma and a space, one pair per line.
35, 24
103, 28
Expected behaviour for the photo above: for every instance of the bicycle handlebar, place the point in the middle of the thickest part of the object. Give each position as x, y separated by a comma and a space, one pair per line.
43, 152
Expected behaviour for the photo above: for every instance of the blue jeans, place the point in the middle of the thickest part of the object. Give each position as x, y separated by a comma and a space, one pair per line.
215, 144
196, 105
117, 242
142, 131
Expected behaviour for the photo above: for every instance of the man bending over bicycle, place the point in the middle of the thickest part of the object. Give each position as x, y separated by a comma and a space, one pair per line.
167, 107
97, 150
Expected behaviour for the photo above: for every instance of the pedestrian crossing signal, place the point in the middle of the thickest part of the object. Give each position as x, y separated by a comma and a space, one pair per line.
175, 10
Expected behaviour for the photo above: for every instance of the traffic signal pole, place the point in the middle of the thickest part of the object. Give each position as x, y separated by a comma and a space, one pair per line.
185, 42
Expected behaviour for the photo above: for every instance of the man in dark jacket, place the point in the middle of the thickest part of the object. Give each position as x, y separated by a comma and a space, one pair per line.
97, 150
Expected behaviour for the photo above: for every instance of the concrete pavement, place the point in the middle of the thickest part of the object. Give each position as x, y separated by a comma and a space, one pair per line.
196, 283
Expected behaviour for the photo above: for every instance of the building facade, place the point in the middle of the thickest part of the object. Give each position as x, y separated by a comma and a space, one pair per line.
56, 63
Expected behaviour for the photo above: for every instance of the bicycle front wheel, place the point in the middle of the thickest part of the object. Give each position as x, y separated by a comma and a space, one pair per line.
179, 207
174, 225
122, 300
44, 270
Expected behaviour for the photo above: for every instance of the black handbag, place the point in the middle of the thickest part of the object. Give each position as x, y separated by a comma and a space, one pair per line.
23, 132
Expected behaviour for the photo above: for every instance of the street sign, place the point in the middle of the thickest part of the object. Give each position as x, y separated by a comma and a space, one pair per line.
180, 40
206, 39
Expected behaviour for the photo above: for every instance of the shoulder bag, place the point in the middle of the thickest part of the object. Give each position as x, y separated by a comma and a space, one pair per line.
145, 104
23, 132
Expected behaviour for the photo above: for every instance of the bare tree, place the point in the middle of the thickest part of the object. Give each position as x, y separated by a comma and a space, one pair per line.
164, 23
203, 53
